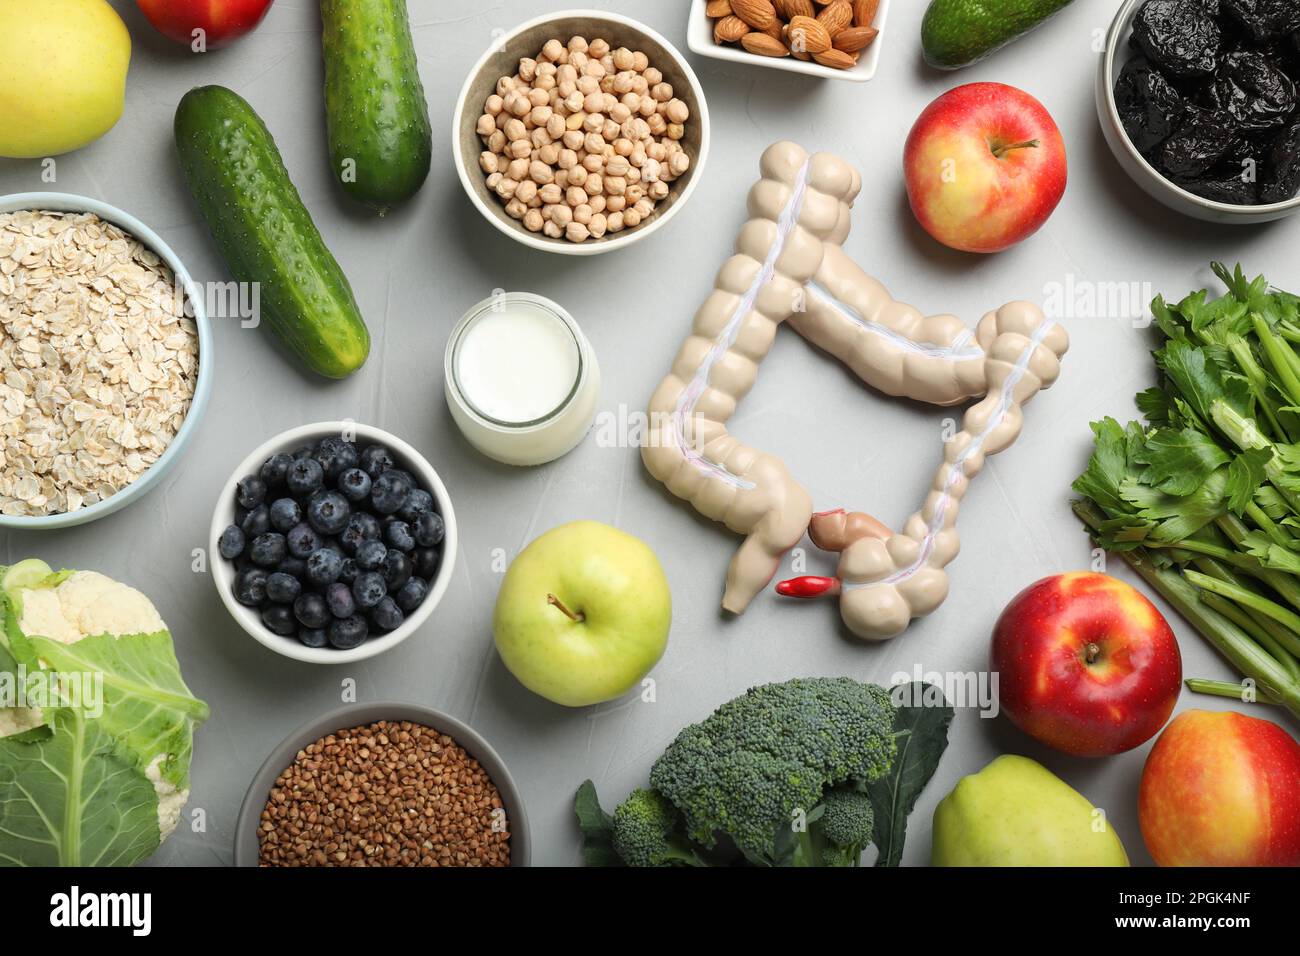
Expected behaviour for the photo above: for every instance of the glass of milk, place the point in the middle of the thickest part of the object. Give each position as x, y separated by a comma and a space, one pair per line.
522, 381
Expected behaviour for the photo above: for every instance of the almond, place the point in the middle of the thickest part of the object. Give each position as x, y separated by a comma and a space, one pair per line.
836, 17
864, 12
776, 31
759, 14
764, 45
853, 39
789, 9
809, 36
837, 59
729, 29
717, 8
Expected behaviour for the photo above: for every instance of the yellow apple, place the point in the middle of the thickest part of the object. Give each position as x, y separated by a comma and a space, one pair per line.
63, 70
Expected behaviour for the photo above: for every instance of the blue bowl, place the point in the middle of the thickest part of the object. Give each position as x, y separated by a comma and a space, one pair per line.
67, 202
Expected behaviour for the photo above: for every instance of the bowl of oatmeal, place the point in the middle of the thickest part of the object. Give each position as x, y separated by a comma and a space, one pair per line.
104, 359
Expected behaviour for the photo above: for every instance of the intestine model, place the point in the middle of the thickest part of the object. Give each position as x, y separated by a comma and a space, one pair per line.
789, 267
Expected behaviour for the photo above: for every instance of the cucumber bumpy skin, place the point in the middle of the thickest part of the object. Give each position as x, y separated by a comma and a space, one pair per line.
381, 143
957, 33
265, 233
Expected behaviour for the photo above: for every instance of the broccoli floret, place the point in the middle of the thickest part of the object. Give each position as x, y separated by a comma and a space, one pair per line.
758, 759
846, 823
644, 832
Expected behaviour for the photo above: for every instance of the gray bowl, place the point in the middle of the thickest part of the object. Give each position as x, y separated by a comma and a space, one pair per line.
354, 715
1142, 172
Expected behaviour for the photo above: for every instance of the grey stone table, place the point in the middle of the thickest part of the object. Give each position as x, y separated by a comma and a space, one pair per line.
416, 271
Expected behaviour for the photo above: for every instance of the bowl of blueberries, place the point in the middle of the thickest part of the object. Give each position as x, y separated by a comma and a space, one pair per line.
333, 542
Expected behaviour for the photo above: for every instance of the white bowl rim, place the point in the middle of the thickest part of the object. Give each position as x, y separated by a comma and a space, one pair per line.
563, 246
863, 72
73, 203
1108, 63
223, 572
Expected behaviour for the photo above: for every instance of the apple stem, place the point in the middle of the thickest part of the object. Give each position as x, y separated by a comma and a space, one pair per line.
552, 600
1000, 151
1093, 652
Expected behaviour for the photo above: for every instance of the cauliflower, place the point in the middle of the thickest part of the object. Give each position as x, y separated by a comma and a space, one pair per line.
134, 739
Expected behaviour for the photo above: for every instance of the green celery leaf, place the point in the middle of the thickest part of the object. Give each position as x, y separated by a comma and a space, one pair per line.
1179, 461
1245, 475
1179, 517
73, 799
1109, 466
922, 734
1155, 405
1273, 556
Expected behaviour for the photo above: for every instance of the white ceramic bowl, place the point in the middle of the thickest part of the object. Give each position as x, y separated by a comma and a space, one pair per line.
525, 40
1133, 163
699, 37
223, 572
67, 202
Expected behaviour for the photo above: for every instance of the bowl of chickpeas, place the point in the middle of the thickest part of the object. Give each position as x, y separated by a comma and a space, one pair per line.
580, 132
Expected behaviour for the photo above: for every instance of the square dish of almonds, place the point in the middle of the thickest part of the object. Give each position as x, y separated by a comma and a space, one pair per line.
98, 361
833, 39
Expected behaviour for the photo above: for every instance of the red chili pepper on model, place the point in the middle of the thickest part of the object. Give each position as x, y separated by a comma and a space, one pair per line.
809, 586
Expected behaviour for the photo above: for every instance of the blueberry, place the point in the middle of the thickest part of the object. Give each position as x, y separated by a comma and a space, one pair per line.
426, 562
324, 567
355, 484
257, 521
250, 587
336, 455
279, 620
376, 460
429, 529
348, 633
267, 550
412, 594
338, 598
302, 451
348, 573
312, 637
305, 476
303, 540
275, 469
368, 524
231, 542
396, 570
406, 476
251, 491
368, 590
370, 556
418, 502
328, 512
398, 535
311, 611
282, 588
387, 616
285, 513
389, 493
352, 537
294, 567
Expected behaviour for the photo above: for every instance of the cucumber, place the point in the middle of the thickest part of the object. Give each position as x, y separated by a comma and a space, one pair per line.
380, 139
265, 233
957, 33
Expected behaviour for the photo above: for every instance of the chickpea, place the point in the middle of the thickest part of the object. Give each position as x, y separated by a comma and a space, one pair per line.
567, 159
555, 127
549, 154
574, 102
488, 162
553, 230
597, 203
598, 225
593, 162
657, 151
533, 220
595, 68
620, 114
678, 111
635, 193
527, 69
658, 190
518, 169
588, 85
566, 88
578, 177
631, 218
624, 59
623, 83
540, 172
551, 193
567, 74
609, 132
545, 83
494, 105
615, 222
676, 130
515, 129
679, 163
653, 75
657, 125
573, 139
546, 68
616, 204
593, 102
520, 148
561, 214
505, 85
640, 86
623, 146
649, 106
576, 232
663, 92
539, 137
487, 125
640, 62
595, 184
506, 188
527, 190
575, 196
645, 207
578, 45
607, 83
582, 213
516, 209
552, 50
598, 47
574, 121
615, 185
593, 122
538, 98
578, 61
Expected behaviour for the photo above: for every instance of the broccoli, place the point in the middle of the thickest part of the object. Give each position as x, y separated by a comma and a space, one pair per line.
644, 832
763, 759
847, 821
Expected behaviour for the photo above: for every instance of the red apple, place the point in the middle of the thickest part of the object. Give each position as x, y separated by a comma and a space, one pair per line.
985, 167
1222, 789
1086, 664
222, 21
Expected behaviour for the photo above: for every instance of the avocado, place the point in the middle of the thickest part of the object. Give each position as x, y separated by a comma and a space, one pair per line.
957, 33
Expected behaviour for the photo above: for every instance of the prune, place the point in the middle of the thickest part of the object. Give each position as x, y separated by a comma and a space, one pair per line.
1233, 188
1197, 147
1182, 39
1253, 91
1280, 176
1264, 20
1149, 106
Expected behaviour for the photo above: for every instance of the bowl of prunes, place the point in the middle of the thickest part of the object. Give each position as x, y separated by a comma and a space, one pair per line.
1200, 102
333, 542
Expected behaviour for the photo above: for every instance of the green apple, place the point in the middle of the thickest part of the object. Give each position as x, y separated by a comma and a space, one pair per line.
63, 67
1016, 812
583, 614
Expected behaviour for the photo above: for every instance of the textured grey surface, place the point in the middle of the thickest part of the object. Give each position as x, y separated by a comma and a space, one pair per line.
415, 272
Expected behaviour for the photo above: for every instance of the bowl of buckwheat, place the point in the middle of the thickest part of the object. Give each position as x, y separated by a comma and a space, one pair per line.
580, 132
104, 359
